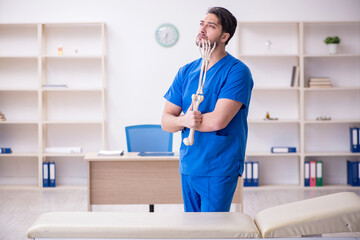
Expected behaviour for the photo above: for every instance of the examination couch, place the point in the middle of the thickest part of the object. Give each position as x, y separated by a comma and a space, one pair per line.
335, 213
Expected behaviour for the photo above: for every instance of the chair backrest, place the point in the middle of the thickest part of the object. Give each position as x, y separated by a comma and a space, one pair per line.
148, 138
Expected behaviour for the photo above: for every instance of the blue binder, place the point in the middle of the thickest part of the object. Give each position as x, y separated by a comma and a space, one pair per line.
244, 175
45, 171
353, 173
52, 174
255, 175
248, 181
307, 174
283, 150
354, 139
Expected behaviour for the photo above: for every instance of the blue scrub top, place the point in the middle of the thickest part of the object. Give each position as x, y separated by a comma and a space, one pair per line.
219, 153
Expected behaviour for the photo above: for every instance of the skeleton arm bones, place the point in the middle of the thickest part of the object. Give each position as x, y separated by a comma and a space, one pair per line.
223, 113
205, 51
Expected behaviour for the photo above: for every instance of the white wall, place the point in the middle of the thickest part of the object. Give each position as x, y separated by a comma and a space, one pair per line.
139, 70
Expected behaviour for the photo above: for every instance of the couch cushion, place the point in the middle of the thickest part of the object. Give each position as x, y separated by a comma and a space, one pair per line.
333, 213
143, 225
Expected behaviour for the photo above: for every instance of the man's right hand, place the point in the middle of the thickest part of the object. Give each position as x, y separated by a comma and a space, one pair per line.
173, 121
192, 119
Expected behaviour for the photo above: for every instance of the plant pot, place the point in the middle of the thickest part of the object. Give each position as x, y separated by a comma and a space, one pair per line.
333, 48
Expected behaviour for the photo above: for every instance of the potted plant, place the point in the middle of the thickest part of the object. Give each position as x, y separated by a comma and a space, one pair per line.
333, 43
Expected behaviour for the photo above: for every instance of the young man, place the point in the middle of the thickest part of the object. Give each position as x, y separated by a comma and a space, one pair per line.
210, 167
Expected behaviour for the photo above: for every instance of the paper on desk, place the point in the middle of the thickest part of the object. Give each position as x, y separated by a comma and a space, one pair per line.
111, 153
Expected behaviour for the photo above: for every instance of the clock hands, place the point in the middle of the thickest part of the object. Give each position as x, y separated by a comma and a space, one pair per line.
166, 35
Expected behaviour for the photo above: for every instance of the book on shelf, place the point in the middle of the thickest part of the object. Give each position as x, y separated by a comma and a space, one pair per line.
295, 76
251, 174
55, 85
111, 153
353, 173
354, 139
283, 149
63, 150
5, 150
316, 85
319, 79
313, 173
319, 82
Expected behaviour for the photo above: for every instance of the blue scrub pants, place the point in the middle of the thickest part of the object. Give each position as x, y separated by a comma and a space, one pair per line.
208, 194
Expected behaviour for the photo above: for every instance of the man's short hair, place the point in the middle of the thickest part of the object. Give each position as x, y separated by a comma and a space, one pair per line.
226, 19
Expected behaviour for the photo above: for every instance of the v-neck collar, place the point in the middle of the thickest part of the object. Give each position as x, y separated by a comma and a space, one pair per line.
218, 62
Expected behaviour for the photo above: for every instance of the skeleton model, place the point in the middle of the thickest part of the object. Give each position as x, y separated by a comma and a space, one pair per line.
205, 51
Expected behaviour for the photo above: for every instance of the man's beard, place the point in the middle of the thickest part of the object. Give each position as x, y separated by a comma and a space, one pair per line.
199, 43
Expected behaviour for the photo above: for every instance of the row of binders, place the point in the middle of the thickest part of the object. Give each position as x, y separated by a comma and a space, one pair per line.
355, 139
251, 174
313, 173
49, 174
353, 173
5, 150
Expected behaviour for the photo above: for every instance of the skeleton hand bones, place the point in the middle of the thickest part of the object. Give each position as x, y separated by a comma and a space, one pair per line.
205, 51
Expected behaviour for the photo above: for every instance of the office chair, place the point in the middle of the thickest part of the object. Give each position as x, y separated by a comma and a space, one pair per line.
148, 138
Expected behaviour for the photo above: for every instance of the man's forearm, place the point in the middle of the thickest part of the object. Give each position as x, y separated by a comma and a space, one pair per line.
210, 123
218, 119
171, 123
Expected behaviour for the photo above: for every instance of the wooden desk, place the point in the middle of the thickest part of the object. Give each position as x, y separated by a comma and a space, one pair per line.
131, 179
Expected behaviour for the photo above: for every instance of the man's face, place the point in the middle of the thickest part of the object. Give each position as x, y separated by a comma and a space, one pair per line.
210, 29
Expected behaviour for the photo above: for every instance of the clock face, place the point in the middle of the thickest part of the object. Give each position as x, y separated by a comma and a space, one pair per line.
167, 35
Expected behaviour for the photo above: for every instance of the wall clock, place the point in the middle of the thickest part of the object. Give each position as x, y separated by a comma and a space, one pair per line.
167, 35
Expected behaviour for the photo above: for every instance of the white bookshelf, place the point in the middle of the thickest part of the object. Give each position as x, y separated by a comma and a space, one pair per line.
39, 117
301, 44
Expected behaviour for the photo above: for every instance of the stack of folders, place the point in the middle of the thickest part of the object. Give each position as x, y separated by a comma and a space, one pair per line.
251, 174
49, 174
313, 173
354, 139
319, 82
353, 173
